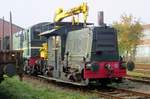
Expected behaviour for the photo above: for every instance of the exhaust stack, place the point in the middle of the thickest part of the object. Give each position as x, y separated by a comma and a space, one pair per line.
101, 18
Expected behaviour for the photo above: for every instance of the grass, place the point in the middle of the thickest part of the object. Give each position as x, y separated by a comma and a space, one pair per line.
12, 88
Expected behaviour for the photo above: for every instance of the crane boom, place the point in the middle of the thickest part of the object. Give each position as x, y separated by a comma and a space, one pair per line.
60, 14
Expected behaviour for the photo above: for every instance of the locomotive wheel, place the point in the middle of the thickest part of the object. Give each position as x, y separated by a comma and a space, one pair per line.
27, 70
104, 82
119, 80
33, 71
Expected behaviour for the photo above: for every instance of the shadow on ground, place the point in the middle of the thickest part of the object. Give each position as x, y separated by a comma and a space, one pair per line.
3, 95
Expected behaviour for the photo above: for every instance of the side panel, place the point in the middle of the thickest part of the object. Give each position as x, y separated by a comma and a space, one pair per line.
79, 46
54, 54
51, 59
27, 44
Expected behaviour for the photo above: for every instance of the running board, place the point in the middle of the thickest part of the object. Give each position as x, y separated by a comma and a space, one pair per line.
62, 81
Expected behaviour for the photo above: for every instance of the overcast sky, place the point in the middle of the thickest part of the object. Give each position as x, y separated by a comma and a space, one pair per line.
28, 12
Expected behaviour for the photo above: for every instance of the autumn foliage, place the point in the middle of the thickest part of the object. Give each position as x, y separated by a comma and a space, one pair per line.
129, 35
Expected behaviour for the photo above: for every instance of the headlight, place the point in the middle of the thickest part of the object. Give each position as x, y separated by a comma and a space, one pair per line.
13, 55
88, 66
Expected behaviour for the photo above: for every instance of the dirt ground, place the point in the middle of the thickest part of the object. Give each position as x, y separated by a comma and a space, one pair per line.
135, 86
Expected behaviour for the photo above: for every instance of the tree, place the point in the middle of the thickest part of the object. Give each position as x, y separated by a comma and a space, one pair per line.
129, 35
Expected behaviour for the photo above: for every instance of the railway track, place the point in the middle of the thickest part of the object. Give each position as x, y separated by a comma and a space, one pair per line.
123, 94
104, 93
145, 80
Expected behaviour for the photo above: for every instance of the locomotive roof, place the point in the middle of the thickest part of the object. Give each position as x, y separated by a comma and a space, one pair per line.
41, 23
62, 27
70, 23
